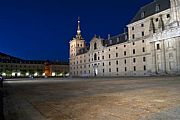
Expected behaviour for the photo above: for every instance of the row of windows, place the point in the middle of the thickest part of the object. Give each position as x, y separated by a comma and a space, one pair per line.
142, 34
110, 70
117, 55
117, 62
125, 69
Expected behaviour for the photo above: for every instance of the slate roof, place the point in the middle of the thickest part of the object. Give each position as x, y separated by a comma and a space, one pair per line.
150, 9
4, 58
116, 39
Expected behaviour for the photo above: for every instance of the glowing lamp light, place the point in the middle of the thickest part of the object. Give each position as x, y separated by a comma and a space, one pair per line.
61, 74
27, 74
3, 74
43, 74
53, 74
36, 74
18, 74
13, 74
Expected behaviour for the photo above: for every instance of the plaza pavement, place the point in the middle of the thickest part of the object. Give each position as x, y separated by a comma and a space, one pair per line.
129, 98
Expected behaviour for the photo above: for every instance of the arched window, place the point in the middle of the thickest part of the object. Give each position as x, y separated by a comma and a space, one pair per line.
95, 56
95, 46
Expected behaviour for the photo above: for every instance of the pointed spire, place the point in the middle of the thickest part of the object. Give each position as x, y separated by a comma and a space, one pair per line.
78, 30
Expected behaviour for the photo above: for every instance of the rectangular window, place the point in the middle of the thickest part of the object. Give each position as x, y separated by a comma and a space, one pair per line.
158, 46
134, 68
109, 63
144, 59
133, 36
144, 68
143, 33
134, 51
103, 64
124, 53
142, 25
116, 62
109, 69
125, 61
117, 69
103, 57
116, 54
134, 60
103, 70
125, 69
132, 28
143, 49
109, 56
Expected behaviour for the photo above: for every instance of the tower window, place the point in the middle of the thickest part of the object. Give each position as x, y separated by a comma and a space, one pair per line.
95, 46
95, 56
158, 46
168, 15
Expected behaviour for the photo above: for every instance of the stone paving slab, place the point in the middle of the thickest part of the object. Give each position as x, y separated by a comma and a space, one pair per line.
17, 108
136, 98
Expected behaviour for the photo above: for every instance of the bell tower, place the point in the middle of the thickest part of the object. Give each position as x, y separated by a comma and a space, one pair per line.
77, 43
175, 13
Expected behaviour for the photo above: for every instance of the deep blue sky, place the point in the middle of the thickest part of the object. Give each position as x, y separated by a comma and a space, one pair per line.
42, 29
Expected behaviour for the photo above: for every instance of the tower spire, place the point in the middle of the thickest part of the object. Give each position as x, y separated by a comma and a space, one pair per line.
78, 30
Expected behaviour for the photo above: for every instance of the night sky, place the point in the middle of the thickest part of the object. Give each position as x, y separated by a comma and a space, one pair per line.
42, 29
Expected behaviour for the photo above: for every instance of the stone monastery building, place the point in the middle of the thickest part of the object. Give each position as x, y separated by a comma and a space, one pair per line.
150, 47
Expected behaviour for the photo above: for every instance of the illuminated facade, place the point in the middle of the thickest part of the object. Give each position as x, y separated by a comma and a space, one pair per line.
15, 67
150, 47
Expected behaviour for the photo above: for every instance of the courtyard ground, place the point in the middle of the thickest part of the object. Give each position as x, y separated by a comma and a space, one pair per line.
129, 98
